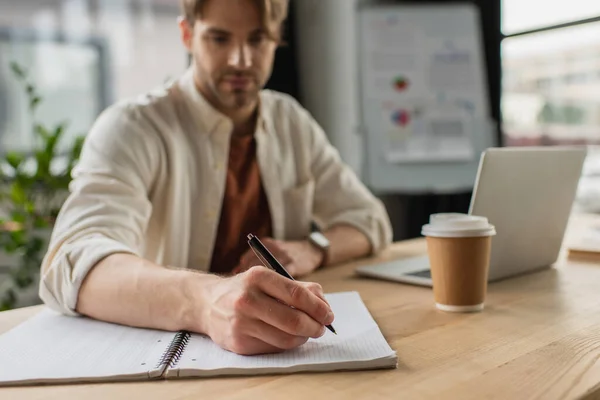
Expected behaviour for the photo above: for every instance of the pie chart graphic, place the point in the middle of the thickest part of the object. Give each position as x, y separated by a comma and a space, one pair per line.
401, 118
400, 83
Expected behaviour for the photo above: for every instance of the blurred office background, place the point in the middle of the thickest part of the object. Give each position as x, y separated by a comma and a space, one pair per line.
542, 64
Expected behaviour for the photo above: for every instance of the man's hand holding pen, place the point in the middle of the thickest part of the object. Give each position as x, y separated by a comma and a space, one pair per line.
261, 311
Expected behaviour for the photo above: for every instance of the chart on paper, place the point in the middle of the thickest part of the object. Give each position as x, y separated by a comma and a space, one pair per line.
426, 84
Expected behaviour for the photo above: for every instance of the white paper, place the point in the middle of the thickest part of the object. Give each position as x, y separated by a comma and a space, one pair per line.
358, 344
427, 87
421, 130
452, 66
51, 347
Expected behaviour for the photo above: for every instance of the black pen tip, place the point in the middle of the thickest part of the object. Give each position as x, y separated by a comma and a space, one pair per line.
331, 329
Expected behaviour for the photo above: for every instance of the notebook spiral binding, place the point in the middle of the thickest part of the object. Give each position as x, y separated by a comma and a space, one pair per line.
171, 355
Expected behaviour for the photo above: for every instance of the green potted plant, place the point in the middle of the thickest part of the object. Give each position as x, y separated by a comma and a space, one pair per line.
32, 192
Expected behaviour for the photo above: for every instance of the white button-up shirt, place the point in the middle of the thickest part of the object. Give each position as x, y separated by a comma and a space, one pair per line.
151, 179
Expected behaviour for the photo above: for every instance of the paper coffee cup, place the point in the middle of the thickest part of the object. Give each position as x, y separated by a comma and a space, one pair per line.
459, 247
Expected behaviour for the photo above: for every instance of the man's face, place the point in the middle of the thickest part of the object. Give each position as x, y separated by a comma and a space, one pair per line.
232, 54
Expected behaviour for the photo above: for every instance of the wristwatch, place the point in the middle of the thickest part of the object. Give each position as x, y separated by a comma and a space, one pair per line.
318, 240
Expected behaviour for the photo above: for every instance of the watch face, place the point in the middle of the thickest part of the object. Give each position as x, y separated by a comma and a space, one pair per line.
319, 239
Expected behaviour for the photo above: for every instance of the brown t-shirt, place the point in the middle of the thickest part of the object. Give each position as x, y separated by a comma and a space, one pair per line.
245, 206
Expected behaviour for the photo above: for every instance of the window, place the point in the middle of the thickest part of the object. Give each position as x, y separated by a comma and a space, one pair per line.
551, 72
83, 55
69, 74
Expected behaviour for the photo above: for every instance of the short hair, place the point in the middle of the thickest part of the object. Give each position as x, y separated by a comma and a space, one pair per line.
273, 14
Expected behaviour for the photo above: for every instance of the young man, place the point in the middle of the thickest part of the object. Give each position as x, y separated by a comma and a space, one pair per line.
169, 185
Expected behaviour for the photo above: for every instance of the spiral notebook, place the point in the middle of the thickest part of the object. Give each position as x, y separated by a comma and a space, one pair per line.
53, 348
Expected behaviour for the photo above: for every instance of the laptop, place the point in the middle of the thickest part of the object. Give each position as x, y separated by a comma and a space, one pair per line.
527, 193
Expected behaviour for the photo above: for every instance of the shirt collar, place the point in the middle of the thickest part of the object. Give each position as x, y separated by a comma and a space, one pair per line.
207, 116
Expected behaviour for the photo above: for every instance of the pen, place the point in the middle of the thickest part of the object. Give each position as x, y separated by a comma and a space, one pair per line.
269, 261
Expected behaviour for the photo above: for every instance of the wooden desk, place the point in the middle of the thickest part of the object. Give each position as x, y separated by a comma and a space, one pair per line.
538, 338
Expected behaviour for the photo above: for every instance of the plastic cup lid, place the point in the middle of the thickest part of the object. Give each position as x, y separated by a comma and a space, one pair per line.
457, 225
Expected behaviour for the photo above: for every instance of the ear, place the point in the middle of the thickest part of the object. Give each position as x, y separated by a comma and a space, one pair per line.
187, 33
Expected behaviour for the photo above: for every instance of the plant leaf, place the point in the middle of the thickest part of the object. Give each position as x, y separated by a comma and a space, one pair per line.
30, 207
15, 159
18, 217
41, 132
21, 278
36, 244
10, 247
18, 237
23, 180
60, 129
17, 70
78, 147
8, 301
74, 154
40, 223
53, 140
34, 102
17, 193
43, 164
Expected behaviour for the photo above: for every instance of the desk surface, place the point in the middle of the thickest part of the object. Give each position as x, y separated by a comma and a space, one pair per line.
538, 338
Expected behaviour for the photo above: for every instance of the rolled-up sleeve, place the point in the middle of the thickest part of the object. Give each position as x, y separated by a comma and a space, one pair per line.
108, 207
340, 196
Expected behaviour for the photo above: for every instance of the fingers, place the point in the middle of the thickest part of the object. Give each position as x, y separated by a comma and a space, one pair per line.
263, 312
285, 319
248, 345
292, 293
298, 270
275, 337
283, 258
316, 289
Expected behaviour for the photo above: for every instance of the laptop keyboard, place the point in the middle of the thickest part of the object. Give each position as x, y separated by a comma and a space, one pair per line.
421, 274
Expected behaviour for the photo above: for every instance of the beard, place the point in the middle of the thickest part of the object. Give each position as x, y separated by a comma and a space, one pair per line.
242, 98
237, 95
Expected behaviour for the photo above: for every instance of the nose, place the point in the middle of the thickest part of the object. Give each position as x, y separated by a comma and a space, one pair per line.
240, 57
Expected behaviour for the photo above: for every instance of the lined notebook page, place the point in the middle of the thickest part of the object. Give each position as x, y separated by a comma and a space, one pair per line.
51, 347
359, 344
